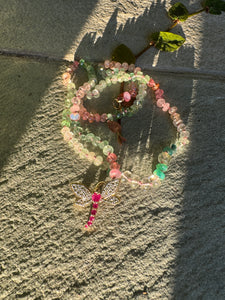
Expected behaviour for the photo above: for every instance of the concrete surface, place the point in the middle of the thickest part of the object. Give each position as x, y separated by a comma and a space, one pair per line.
166, 244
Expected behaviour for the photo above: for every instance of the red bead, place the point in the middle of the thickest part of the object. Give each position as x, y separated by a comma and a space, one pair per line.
96, 197
91, 218
93, 212
89, 223
111, 157
95, 205
114, 165
151, 83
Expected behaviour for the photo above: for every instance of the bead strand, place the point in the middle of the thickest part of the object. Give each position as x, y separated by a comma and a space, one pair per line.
114, 72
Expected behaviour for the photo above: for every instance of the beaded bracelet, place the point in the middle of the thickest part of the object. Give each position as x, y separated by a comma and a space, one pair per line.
74, 134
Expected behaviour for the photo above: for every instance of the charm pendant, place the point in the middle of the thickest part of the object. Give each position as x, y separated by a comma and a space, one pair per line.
102, 192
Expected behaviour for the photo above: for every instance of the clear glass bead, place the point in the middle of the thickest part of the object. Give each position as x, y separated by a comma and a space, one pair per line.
103, 144
107, 149
98, 160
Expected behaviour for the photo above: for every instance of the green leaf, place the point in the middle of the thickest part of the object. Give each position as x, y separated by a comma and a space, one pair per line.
167, 41
178, 12
214, 7
123, 54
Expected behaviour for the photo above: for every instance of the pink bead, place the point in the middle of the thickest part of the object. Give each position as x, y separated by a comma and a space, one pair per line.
93, 212
75, 100
91, 118
86, 226
89, 223
112, 65
82, 110
80, 93
166, 106
114, 165
85, 116
91, 218
159, 93
131, 67
137, 69
181, 127
96, 197
160, 102
97, 117
103, 117
74, 108
126, 96
115, 173
87, 86
111, 157
117, 65
125, 66
106, 63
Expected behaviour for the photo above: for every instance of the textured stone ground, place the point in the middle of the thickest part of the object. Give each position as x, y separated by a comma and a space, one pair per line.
166, 244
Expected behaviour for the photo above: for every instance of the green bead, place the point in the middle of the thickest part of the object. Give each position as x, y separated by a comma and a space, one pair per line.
96, 141
110, 117
65, 123
83, 137
168, 150
103, 144
109, 72
90, 137
173, 147
82, 61
108, 81
102, 83
67, 103
160, 174
70, 94
162, 167
114, 79
66, 113
71, 86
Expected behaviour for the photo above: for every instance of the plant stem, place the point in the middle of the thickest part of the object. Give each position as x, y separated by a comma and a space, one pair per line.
196, 13
145, 49
171, 27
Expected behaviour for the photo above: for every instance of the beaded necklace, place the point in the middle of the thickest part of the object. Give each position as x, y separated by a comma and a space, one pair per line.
126, 104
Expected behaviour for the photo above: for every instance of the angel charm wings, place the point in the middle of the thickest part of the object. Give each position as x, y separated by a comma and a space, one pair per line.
84, 196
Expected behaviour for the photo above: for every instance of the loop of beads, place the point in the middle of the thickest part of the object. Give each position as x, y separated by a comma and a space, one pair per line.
76, 135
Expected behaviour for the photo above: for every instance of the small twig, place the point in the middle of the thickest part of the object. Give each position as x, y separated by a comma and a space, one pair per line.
196, 13
145, 49
173, 25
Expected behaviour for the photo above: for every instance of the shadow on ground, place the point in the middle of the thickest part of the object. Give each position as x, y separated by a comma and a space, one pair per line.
21, 97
